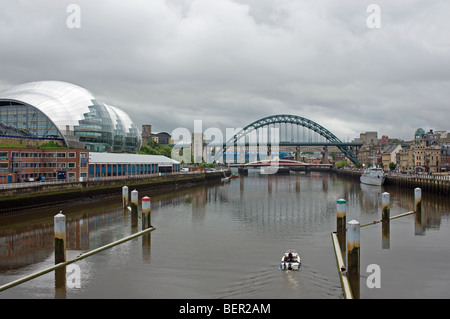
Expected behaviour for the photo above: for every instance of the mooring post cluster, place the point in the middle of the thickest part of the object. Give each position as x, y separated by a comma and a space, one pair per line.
59, 220
349, 233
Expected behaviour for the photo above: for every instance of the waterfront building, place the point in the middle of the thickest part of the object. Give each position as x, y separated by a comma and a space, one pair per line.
369, 149
445, 158
369, 138
53, 130
163, 138
406, 160
427, 151
67, 114
389, 155
103, 165
34, 164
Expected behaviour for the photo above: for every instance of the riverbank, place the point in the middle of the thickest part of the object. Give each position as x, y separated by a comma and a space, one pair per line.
437, 184
44, 194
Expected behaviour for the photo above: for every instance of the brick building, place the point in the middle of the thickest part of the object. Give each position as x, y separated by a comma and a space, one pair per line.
32, 163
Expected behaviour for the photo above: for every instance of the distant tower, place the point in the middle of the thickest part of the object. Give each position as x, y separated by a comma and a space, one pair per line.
146, 134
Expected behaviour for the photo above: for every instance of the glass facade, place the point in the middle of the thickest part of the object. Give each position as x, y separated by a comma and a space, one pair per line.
20, 119
59, 110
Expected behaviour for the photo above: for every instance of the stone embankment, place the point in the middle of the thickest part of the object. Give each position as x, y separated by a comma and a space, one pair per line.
438, 184
43, 194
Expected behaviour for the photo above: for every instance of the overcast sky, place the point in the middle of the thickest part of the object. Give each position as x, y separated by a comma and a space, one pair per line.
231, 62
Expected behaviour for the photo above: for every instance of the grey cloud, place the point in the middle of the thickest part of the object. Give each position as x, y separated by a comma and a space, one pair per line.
231, 62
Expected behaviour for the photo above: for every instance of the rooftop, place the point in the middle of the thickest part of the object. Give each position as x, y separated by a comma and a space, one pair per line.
117, 158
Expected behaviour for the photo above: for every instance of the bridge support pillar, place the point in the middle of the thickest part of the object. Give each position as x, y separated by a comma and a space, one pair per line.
243, 171
283, 171
325, 155
297, 154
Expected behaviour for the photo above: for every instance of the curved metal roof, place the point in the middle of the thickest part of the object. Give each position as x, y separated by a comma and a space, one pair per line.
66, 104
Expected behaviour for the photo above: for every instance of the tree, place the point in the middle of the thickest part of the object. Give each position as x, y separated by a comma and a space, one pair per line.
153, 148
342, 163
392, 166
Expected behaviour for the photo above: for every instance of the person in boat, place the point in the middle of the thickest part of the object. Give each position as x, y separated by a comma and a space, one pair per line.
290, 257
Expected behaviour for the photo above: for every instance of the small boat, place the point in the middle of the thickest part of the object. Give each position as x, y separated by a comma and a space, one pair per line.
226, 179
290, 260
373, 176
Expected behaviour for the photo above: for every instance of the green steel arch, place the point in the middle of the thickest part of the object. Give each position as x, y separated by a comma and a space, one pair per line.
297, 120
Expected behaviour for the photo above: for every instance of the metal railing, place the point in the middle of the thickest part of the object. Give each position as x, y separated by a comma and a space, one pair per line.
88, 179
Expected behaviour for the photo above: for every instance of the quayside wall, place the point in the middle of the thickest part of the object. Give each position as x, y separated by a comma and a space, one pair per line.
44, 194
437, 184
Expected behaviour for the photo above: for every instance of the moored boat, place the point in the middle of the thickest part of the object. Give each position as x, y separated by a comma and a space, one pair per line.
373, 176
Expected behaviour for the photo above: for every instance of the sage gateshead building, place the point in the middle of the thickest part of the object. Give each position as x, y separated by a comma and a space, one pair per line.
67, 114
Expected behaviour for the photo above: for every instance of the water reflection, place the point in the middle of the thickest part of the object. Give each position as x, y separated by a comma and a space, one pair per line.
256, 214
27, 239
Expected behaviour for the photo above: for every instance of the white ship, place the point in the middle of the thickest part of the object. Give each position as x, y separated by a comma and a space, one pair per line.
373, 176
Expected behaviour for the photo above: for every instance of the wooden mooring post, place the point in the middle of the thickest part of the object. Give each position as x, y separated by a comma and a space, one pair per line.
134, 201
385, 220
353, 256
417, 200
80, 257
60, 237
351, 281
125, 197
420, 219
341, 224
59, 224
146, 212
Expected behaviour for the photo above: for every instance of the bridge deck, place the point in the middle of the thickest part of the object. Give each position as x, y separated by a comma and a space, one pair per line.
281, 163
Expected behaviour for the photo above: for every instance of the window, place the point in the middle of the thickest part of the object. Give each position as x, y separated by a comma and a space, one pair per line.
61, 155
71, 165
72, 155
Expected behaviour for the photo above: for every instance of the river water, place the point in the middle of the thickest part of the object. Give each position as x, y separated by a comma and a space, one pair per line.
226, 241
